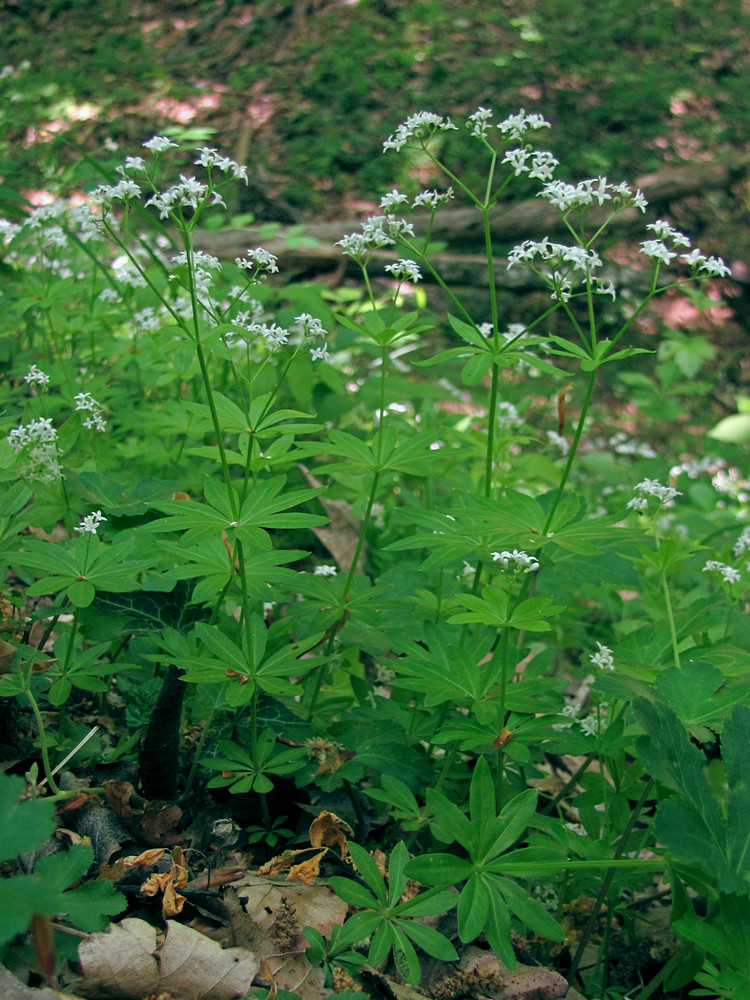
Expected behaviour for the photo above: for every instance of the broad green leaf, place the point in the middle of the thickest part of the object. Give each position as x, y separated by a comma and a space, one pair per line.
25, 825
369, 871
473, 908
482, 807
397, 877
439, 869
510, 824
529, 910
430, 940
404, 956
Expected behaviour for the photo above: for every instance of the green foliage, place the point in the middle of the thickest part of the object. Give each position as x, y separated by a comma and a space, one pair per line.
386, 920
25, 826
369, 562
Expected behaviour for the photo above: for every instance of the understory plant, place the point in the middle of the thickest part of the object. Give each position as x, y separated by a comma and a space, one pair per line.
379, 555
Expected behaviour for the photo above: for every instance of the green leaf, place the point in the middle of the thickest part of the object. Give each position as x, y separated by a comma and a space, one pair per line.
510, 824
482, 807
25, 825
439, 869
397, 877
369, 871
691, 824
430, 940
404, 956
529, 910
473, 908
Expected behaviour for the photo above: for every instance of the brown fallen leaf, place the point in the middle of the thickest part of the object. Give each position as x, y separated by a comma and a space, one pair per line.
307, 871
150, 822
131, 960
526, 982
341, 535
328, 829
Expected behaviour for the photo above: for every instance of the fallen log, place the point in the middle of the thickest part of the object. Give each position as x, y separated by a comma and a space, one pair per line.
310, 248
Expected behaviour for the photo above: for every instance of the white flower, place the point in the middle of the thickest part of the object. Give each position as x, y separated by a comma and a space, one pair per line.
36, 376
319, 353
743, 543
603, 659
478, 123
728, 573
657, 250
652, 488
521, 561
404, 270
135, 163
715, 267
258, 260
516, 126
91, 522
392, 200
423, 124
160, 143
507, 415
325, 571
559, 441
84, 401
431, 199
517, 159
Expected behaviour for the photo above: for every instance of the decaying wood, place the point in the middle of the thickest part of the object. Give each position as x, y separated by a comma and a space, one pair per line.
311, 248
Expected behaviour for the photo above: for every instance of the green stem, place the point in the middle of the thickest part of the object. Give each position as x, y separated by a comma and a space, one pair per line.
42, 740
607, 881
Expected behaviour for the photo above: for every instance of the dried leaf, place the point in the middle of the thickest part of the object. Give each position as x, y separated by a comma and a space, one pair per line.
145, 858
280, 862
306, 871
173, 902
129, 961
328, 829
341, 535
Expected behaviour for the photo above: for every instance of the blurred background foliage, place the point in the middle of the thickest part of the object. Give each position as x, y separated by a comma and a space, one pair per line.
306, 91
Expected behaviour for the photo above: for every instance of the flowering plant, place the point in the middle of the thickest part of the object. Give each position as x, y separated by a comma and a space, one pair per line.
367, 580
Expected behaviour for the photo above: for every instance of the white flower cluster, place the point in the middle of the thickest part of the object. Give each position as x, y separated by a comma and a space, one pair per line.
325, 571
85, 402
592, 190
658, 250
623, 445
90, 523
405, 270
201, 265
39, 439
652, 488
592, 725
561, 264
516, 126
377, 231
425, 199
743, 543
258, 260
507, 416
35, 376
558, 441
603, 659
728, 573
516, 560
542, 165
421, 125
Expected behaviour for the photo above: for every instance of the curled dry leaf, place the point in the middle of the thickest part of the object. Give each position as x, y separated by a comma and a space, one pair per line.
328, 829
307, 871
131, 960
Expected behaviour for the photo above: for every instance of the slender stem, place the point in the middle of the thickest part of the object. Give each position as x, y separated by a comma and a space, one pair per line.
670, 618
48, 771
607, 881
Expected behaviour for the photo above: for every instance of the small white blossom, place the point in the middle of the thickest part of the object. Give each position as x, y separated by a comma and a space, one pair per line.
431, 199
160, 143
515, 126
320, 353
421, 125
603, 659
652, 488
36, 376
728, 573
743, 543
516, 560
393, 200
258, 260
325, 571
479, 122
91, 522
404, 270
